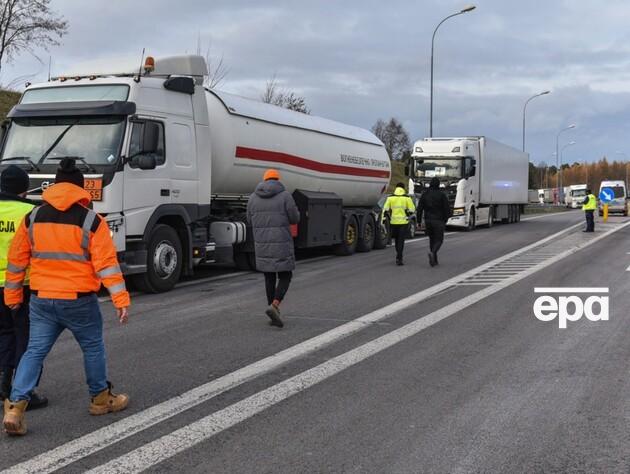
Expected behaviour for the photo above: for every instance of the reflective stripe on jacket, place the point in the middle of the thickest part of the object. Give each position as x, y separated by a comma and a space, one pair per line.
400, 205
12, 212
69, 248
591, 205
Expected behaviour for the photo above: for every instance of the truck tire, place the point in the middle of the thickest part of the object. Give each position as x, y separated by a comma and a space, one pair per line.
472, 220
164, 261
381, 237
518, 213
350, 237
368, 235
490, 217
411, 232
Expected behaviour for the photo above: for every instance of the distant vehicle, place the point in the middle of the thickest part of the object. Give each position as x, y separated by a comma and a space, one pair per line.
545, 195
618, 204
532, 196
484, 180
575, 196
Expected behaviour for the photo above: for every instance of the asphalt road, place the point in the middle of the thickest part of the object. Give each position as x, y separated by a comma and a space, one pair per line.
380, 368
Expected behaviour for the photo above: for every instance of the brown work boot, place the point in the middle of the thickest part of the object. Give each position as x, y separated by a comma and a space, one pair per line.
108, 402
14, 422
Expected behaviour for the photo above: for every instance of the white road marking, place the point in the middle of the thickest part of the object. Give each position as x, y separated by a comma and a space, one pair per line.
184, 438
570, 290
102, 438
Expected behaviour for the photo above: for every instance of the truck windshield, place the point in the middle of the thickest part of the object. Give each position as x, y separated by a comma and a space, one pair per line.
578, 193
619, 191
96, 139
439, 167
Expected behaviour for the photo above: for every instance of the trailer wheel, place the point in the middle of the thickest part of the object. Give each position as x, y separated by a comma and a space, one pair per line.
350, 237
164, 261
366, 242
471, 220
490, 217
381, 236
518, 213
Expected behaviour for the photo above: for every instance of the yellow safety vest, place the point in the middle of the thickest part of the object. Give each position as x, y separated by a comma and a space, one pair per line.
591, 205
399, 204
11, 215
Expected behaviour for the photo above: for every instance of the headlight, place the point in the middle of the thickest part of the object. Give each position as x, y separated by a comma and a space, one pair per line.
458, 211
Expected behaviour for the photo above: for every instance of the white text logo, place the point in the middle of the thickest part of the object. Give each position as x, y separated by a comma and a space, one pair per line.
571, 307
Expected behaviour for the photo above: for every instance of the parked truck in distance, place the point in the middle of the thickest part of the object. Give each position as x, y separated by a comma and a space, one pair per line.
484, 180
575, 196
171, 165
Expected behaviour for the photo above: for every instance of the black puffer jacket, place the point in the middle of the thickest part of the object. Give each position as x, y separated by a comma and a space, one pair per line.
270, 211
435, 206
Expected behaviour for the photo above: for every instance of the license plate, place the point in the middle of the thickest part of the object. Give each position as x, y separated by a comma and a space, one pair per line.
95, 188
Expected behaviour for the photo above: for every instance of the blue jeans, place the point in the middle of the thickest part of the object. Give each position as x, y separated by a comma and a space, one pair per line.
49, 317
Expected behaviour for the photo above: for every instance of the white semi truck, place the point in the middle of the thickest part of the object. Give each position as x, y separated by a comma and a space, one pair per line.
575, 195
171, 164
484, 180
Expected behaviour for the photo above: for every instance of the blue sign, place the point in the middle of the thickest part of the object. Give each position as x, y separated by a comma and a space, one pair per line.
606, 195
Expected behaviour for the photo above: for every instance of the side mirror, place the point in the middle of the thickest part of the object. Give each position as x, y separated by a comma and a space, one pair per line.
150, 138
3, 130
473, 170
408, 169
145, 162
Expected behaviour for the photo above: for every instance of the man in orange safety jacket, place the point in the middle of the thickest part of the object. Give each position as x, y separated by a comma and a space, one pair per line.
70, 252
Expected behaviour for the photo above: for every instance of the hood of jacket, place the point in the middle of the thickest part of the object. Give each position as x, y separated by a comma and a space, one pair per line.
62, 196
399, 192
269, 188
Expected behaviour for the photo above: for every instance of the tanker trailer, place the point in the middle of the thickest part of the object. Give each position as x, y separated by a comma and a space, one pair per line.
170, 165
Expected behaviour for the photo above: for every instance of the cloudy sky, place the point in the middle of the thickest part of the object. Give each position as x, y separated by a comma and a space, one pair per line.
359, 60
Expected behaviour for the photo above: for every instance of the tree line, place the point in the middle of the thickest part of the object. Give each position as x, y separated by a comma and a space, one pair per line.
591, 174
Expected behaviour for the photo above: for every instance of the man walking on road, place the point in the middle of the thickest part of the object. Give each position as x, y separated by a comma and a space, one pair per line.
14, 325
588, 206
271, 211
434, 204
70, 252
399, 207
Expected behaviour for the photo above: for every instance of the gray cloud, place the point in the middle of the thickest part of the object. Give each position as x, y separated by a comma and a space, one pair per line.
356, 61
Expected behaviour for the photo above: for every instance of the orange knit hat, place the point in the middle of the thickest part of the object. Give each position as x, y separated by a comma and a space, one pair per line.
271, 174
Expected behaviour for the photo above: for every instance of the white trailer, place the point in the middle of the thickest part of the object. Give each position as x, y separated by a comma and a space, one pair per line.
171, 165
575, 195
484, 180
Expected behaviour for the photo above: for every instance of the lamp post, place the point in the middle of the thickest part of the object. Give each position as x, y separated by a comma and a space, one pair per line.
558, 156
626, 165
561, 152
525, 109
465, 10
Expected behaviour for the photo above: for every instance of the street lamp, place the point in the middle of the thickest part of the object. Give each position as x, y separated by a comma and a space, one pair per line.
467, 9
626, 165
558, 156
525, 108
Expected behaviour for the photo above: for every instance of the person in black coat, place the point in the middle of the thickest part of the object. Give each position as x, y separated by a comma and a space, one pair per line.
271, 211
437, 210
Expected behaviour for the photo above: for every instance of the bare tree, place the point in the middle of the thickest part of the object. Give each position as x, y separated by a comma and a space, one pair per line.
217, 70
289, 100
26, 25
394, 137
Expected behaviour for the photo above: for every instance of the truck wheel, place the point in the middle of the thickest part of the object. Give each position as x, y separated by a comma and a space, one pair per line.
366, 242
490, 217
411, 232
381, 237
518, 213
350, 237
471, 220
164, 261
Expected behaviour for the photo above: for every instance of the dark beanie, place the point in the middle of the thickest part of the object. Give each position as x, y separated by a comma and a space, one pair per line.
69, 173
14, 180
435, 183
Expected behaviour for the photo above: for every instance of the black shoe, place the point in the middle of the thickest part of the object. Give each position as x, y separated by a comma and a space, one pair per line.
37, 401
399, 262
431, 259
6, 376
435, 258
274, 315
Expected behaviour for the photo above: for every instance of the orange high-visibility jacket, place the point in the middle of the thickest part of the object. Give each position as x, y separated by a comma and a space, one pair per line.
69, 250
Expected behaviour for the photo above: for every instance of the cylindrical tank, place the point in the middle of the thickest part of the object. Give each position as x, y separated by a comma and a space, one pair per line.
311, 153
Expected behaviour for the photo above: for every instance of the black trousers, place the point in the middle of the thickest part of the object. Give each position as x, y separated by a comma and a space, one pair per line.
14, 331
277, 285
399, 233
590, 221
435, 231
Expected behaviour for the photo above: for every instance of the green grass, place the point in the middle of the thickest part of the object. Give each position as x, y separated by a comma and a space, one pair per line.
7, 100
546, 209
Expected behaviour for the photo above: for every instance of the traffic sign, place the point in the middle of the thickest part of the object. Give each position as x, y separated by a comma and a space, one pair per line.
606, 195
